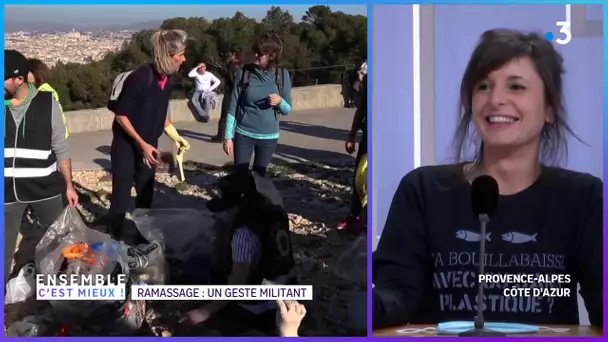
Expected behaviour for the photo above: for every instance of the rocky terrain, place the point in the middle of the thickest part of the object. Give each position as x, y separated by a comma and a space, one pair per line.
316, 197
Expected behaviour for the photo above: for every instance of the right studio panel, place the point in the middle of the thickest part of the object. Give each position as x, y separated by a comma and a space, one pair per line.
501, 91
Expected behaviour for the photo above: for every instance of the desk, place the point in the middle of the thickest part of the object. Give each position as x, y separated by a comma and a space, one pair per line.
575, 330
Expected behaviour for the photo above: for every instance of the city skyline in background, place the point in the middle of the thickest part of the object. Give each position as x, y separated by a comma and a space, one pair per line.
135, 17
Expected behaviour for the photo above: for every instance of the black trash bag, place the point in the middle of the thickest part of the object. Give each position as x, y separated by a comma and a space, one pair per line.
147, 264
122, 319
184, 233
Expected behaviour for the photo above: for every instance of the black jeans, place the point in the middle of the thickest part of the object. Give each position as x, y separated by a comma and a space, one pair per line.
47, 211
355, 205
127, 168
245, 146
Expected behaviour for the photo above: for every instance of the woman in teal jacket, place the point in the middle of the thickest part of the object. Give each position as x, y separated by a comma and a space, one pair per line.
261, 95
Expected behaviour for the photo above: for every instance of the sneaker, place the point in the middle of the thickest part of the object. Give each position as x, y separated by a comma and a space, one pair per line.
347, 222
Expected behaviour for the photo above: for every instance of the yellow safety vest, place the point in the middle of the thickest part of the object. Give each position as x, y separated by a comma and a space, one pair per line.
47, 87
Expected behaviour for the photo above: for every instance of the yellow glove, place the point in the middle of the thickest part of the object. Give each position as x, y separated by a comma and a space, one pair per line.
361, 180
177, 139
179, 157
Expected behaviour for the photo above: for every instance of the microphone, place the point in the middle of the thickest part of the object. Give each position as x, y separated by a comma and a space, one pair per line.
484, 200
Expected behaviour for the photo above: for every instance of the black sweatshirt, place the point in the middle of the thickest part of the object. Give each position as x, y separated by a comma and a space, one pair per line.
145, 104
426, 264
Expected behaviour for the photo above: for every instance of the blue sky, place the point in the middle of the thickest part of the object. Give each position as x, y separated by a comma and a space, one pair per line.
118, 14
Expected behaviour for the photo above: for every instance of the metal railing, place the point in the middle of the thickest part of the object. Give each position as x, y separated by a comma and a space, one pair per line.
300, 77
315, 80
338, 66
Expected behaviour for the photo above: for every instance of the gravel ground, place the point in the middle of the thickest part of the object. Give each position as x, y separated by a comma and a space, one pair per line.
316, 197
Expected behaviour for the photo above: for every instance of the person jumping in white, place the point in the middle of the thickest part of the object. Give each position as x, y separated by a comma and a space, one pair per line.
205, 83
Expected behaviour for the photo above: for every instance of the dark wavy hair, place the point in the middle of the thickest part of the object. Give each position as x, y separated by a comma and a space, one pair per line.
271, 45
41, 71
496, 48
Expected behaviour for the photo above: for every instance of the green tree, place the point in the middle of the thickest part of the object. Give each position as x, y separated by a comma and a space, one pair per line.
277, 20
317, 49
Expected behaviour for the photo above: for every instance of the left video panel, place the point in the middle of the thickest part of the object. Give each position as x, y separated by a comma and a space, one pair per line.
132, 206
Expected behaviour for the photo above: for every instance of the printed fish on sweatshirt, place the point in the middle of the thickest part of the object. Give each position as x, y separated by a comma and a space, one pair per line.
517, 238
470, 236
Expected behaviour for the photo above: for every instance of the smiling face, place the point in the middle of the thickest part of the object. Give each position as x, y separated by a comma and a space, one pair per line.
509, 108
261, 59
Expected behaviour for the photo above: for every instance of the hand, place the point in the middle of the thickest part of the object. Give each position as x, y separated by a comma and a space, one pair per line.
349, 145
181, 142
72, 196
360, 75
289, 316
274, 99
228, 148
200, 65
151, 155
195, 316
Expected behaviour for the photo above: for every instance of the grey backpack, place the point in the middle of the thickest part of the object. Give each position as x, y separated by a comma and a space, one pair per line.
119, 81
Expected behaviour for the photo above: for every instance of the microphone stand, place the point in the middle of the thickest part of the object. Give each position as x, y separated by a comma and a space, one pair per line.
479, 330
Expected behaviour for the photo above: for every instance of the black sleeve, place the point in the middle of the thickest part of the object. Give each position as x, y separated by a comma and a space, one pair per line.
132, 92
398, 264
589, 255
363, 121
233, 70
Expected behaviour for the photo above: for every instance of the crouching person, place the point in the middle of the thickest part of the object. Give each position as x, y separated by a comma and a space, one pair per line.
253, 246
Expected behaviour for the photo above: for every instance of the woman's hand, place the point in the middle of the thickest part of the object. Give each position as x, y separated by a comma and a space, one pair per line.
228, 148
289, 316
182, 143
151, 155
196, 316
274, 99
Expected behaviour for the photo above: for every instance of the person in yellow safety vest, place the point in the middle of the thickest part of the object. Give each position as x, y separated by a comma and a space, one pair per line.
39, 74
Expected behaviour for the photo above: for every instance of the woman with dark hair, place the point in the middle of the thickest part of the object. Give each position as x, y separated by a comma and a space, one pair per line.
39, 75
261, 94
548, 221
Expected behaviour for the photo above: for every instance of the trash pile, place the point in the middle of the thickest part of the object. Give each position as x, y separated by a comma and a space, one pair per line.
70, 247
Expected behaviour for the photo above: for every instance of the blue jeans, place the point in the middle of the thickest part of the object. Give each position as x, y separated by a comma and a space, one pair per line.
202, 106
245, 146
